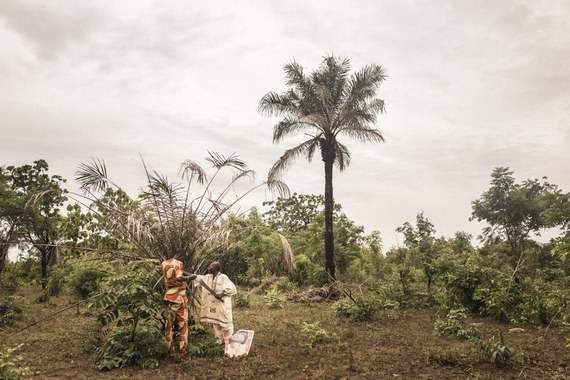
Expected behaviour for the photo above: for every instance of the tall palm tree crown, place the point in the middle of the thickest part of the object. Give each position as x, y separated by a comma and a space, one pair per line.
325, 105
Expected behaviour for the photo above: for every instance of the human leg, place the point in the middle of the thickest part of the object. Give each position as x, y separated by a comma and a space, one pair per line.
182, 323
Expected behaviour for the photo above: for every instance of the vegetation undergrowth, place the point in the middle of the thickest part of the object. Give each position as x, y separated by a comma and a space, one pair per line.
313, 335
10, 364
9, 311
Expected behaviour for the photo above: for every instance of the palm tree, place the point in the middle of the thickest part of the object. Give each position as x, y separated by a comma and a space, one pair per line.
325, 105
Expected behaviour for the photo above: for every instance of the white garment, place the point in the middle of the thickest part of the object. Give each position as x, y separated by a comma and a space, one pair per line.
223, 334
212, 310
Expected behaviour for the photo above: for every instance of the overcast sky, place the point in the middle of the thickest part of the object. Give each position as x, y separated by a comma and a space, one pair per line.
472, 85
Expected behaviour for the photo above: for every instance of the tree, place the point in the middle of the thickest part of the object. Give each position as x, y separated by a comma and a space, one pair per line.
421, 238
187, 219
513, 211
461, 242
326, 105
294, 213
40, 219
11, 206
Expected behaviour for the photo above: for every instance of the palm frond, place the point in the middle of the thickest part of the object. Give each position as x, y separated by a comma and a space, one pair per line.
249, 173
278, 187
92, 176
364, 83
330, 80
294, 75
288, 256
287, 126
290, 154
273, 104
220, 161
190, 169
342, 156
36, 197
362, 133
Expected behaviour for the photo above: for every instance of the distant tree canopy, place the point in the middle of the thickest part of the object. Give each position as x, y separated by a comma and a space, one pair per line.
41, 197
515, 210
421, 238
294, 213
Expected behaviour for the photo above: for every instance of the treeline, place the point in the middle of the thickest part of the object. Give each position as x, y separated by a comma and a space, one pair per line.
109, 246
508, 276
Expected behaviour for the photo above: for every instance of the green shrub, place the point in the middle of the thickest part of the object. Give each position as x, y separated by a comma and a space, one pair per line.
356, 308
241, 301
313, 335
9, 311
121, 350
448, 359
203, 345
132, 313
454, 325
85, 275
283, 285
10, 368
85, 283
544, 299
274, 298
495, 351
11, 277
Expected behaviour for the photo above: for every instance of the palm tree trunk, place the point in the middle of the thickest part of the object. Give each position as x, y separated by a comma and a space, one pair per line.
329, 205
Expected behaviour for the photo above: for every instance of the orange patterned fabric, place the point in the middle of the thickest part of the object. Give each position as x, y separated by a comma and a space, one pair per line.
175, 295
175, 290
179, 315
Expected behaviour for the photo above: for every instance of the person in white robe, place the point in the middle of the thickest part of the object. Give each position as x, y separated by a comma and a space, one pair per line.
216, 302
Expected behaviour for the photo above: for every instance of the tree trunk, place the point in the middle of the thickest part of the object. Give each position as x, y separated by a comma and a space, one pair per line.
4, 248
44, 262
329, 206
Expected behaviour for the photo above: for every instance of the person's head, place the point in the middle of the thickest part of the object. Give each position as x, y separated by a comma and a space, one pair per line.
169, 255
215, 267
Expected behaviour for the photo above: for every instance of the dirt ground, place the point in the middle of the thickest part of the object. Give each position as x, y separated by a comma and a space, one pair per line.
395, 347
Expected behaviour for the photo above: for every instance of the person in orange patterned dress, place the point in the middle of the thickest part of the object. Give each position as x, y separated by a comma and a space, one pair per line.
175, 284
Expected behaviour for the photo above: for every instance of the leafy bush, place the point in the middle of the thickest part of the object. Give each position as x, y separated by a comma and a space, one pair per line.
121, 349
85, 282
274, 298
283, 285
356, 308
495, 351
202, 344
133, 314
454, 325
241, 300
544, 300
11, 277
313, 334
9, 311
448, 359
10, 369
